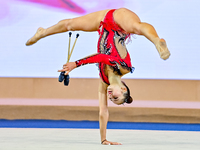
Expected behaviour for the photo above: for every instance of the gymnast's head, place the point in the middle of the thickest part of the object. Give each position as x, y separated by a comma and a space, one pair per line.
119, 94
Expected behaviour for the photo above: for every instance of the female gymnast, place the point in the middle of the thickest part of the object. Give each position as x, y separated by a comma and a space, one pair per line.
114, 27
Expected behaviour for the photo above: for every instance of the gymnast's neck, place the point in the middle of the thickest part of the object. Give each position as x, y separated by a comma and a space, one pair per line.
114, 78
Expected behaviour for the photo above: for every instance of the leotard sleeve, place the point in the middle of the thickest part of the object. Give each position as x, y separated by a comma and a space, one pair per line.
98, 58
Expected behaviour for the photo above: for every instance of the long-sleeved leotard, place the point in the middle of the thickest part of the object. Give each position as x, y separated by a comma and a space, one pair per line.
111, 35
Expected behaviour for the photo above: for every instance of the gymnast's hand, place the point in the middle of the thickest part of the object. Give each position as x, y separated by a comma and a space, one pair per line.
110, 143
68, 67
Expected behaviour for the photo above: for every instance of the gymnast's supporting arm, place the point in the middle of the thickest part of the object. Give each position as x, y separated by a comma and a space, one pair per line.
104, 114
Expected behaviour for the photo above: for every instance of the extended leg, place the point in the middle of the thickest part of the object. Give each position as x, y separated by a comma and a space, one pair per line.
89, 22
149, 32
131, 23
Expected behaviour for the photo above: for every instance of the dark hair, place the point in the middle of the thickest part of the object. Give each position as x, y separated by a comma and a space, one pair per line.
127, 98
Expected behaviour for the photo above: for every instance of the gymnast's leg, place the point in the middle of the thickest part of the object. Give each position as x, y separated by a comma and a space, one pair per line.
150, 33
131, 23
89, 22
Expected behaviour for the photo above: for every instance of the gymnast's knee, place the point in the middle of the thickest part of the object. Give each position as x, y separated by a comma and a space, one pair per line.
136, 28
67, 24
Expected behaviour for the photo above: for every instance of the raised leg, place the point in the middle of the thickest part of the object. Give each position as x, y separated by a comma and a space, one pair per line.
89, 22
150, 33
131, 23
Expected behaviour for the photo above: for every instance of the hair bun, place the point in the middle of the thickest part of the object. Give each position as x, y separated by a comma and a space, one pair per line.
129, 100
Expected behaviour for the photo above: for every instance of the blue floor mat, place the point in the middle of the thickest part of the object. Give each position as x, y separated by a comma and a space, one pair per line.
95, 125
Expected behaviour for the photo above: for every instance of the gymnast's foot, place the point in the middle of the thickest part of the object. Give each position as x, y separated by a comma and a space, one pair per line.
36, 37
161, 46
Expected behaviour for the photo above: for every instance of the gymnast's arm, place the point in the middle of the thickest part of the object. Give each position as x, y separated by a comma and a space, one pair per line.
104, 114
95, 58
98, 58
103, 111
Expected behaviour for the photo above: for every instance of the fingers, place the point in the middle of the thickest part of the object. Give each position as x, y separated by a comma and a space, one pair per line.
116, 143
111, 143
67, 72
65, 68
68, 67
106, 143
62, 70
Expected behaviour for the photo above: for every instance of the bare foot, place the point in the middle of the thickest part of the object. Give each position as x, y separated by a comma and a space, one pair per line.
36, 37
162, 49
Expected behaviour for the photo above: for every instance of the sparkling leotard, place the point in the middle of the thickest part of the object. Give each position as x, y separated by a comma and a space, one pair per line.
110, 35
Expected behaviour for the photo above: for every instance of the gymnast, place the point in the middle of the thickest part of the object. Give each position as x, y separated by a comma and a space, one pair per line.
114, 27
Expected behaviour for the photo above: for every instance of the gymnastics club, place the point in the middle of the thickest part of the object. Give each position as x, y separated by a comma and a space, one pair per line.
66, 79
69, 56
69, 46
62, 74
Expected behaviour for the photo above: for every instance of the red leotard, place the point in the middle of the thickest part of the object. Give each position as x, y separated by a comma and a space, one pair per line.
110, 35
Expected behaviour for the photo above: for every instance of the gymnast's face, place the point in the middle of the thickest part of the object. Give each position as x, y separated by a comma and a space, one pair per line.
115, 93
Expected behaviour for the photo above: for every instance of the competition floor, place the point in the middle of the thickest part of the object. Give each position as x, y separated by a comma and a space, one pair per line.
54, 135
88, 139
20, 132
